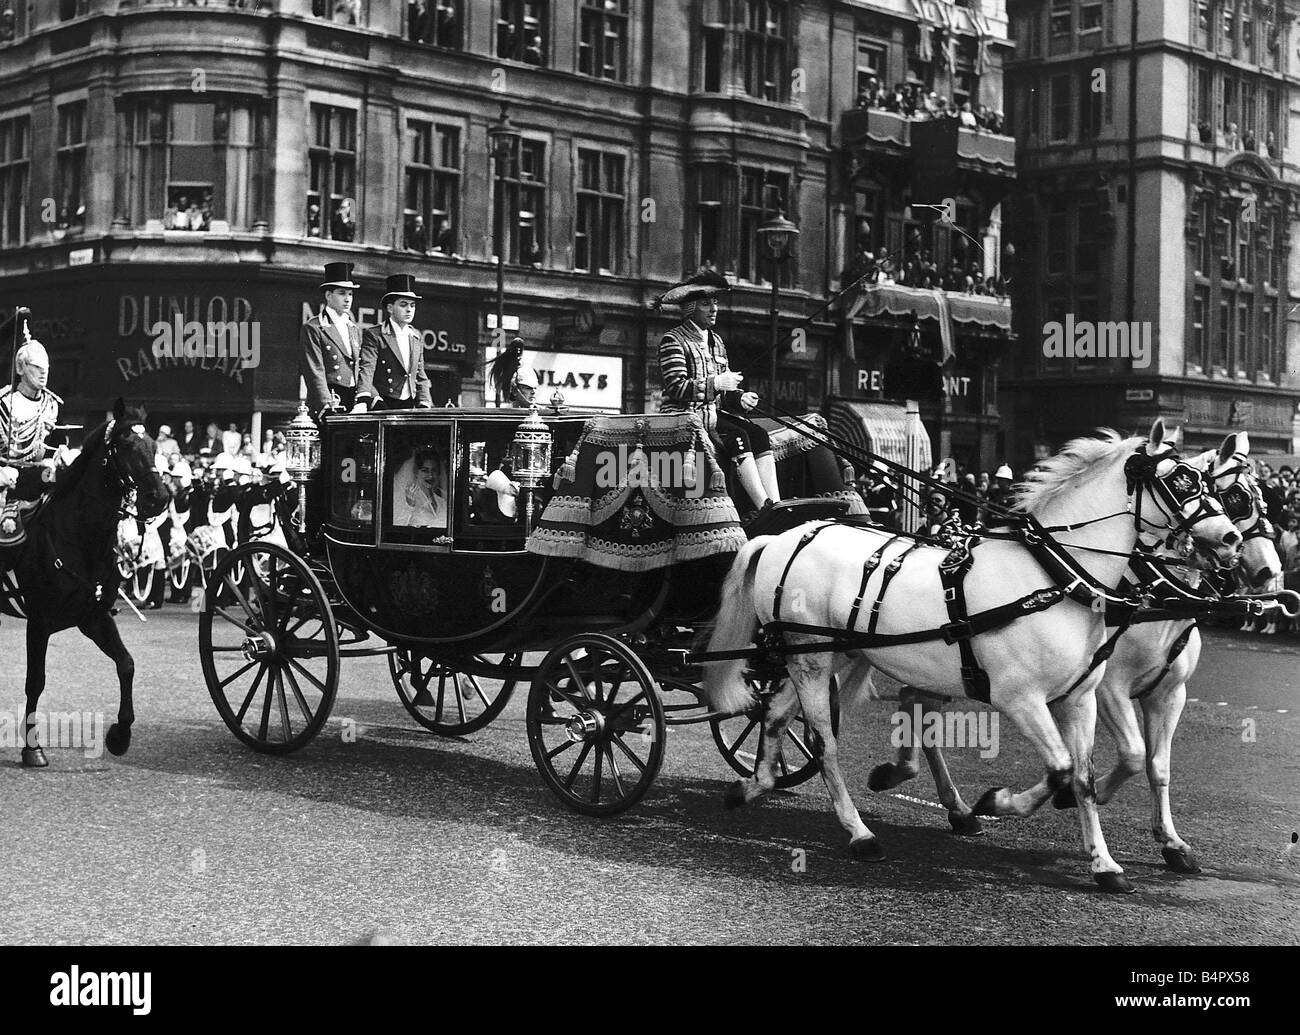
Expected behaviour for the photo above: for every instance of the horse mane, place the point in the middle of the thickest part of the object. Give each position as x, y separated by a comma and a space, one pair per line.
1045, 482
94, 442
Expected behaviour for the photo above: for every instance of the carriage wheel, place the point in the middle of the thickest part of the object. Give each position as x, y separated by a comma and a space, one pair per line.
445, 701
142, 584
595, 724
270, 656
740, 739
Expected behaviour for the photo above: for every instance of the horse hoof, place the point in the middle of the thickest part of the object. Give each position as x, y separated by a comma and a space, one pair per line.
882, 777
1180, 860
34, 758
118, 739
735, 796
1064, 798
987, 805
1114, 883
965, 824
867, 849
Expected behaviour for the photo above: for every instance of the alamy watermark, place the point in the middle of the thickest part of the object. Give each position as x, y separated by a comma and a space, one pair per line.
970, 729
1087, 339
622, 467
194, 339
82, 730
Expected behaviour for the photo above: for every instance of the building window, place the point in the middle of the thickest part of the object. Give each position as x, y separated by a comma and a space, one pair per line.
1201, 24
711, 58
197, 161
524, 189
430, 218
1061, 27
331, 198
598, 241
1060, 113
1085, 246
15, 156
1090, 17
871, 65
764, 49
439, 23
69, 9
1266, 361
1058, 236
1205, 260
1200, 311
1090, 106
70, 166
965, 83
1219, 360
343, 12
602, 45
1241, 357
1227, 29
762, 195
522, 31
709, 208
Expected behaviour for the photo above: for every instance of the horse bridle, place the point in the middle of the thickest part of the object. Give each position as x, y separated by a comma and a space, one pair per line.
126, 486
1240, 501
1171, 493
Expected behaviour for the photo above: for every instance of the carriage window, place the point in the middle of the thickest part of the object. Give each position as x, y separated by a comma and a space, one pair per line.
352, 478
418, 486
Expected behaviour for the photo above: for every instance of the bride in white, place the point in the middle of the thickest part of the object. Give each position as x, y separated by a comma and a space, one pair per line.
420, 491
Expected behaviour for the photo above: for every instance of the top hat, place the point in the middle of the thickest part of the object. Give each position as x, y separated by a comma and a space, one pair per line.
339, 275
704, 284
399, 285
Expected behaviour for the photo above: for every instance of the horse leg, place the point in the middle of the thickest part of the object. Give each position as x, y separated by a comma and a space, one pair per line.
38, 641
961, 817
811, 675
1030, 714
1078, 722
778, 712
905, 766
1115, 709
102, 631
1161, 716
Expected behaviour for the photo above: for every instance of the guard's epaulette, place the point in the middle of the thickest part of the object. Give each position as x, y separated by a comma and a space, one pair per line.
7, 390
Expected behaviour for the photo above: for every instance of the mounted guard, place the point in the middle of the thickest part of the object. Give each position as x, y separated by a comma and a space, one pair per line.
29, 412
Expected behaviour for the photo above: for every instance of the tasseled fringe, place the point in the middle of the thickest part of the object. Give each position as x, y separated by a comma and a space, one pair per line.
568, 471
718, 482
688, 468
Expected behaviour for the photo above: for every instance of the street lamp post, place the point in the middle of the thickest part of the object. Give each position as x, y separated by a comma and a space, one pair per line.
503, 141
778, 234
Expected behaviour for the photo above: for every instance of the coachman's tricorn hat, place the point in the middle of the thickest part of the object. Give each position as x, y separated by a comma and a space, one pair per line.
704, 284
399, 285
339, 275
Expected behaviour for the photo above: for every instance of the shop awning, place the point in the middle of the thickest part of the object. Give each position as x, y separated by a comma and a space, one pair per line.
883, 429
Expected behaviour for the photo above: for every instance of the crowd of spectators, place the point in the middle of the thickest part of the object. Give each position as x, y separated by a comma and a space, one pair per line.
189, 212
203, 447
943, 511
920, 270
1281, 491
915, 102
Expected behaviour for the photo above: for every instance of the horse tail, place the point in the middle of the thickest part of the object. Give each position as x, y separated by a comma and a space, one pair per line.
725, 688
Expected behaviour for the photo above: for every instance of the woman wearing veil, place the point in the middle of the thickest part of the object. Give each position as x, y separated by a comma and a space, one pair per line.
420, 491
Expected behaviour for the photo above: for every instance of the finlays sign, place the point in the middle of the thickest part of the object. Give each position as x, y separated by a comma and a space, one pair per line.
585, 381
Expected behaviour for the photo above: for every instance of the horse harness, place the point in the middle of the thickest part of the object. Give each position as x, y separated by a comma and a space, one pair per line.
1172, 493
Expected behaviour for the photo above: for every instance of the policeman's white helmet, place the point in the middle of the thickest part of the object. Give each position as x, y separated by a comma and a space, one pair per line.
1003, 472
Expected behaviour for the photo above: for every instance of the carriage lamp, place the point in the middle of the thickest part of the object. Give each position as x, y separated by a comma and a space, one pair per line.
302, 456
530, 455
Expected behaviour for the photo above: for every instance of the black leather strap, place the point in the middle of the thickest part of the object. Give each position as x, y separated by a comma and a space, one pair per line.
804, 540
952, 576
891, 569
868, 568
1175, 649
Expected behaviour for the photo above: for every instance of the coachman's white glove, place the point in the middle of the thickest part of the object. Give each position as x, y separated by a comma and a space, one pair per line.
8, 477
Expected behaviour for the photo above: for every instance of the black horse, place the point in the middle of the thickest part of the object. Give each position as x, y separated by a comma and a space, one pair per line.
65, 573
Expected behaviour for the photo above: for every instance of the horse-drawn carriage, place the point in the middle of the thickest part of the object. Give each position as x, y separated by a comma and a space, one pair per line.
460, 541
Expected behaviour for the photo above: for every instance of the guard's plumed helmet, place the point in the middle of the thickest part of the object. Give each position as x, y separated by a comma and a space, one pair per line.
33, 349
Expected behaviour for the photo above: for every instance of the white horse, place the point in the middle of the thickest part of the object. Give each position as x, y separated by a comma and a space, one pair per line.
1150, 665
1104, 493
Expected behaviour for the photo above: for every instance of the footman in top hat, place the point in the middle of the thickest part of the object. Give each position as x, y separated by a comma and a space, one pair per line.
331, 345
392, 374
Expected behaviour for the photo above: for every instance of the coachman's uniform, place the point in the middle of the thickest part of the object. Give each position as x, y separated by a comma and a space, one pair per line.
392, 373
689, 359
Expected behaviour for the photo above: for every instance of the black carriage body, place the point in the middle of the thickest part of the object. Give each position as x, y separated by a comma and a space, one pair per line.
470, 585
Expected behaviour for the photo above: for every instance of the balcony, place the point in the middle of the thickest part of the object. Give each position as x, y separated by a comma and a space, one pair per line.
956, 313
945, 140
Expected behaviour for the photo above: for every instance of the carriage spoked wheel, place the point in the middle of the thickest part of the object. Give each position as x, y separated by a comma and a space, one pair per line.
445, 700
740, 739
595, 724
269, 648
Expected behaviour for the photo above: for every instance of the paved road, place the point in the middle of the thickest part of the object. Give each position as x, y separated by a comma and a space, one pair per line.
191, 838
